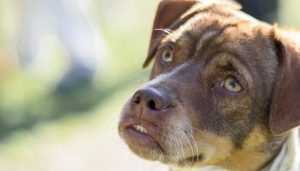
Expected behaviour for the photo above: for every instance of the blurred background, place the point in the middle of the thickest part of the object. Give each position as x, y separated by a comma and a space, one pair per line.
66, 68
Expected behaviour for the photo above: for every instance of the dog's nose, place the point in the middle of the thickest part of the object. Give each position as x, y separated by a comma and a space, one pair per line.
151, 98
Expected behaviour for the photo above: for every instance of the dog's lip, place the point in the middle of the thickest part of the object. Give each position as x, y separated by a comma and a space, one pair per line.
153, 132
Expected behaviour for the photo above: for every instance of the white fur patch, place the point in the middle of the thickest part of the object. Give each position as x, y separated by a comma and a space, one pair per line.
207, 168
289, 157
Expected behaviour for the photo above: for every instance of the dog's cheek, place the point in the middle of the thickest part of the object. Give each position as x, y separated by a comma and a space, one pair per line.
225, 117
214, 148
237, 109
237, 118
211, 143
178, 127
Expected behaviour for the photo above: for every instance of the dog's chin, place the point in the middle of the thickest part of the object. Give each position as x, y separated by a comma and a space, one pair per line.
155, 154
142, 144
151, 150
143, 140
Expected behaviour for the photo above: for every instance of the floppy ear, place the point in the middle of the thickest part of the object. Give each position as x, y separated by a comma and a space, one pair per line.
285, 104
173, 13
168, 12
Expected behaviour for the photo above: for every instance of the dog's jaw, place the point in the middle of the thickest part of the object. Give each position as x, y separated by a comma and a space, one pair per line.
140, 138
171, 142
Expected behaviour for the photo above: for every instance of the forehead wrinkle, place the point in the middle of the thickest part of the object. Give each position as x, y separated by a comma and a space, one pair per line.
206, 36
210, 34
187, 27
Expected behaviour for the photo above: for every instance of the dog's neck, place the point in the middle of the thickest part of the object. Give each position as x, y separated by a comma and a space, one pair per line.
288, 158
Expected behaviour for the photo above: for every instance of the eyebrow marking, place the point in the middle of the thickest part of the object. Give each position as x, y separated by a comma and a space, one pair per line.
210, 34
205, 37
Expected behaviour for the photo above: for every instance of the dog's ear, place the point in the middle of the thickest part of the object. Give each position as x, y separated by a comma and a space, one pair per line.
173, 13
168, 12
285, 104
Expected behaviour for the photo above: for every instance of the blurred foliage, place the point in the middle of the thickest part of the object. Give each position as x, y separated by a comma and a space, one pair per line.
289, 14
27, 98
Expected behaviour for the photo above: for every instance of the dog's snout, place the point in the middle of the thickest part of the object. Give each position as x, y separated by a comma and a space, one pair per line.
151, 99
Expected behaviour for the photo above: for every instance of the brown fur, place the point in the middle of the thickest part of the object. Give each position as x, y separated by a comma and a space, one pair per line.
205, 124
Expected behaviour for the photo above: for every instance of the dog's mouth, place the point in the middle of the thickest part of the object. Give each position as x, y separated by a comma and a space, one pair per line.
142, 137
146, 140
139, 128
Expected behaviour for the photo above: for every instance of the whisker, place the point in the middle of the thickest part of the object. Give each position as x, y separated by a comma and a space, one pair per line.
180, 148
194, 141
195, 129
175, 145
166, 31
191, 146
195, 145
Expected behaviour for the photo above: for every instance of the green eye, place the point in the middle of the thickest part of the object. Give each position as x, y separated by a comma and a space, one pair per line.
167, 55
231, 84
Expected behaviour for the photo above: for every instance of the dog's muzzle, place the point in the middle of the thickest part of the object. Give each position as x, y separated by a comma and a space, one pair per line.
141, 124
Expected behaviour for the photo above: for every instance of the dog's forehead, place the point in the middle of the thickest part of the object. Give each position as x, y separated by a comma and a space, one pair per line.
203, 26
206, 35
204, 31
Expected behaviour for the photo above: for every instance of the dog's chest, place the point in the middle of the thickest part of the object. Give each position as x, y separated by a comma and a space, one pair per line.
208, 168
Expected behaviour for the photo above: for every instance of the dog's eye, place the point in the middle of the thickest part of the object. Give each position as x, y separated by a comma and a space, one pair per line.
232, 84
167, 55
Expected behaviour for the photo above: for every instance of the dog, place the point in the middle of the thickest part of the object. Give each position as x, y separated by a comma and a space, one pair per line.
224, 92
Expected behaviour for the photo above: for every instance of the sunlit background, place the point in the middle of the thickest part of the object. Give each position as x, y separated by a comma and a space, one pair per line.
66, 68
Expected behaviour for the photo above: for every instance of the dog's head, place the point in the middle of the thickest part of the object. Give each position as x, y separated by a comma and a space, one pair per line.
223, 87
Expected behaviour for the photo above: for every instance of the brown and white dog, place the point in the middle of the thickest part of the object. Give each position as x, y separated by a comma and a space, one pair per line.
224, 92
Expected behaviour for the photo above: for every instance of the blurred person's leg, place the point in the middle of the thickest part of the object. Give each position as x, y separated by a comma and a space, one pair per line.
78, 38
265, 10
64, 19
36, 22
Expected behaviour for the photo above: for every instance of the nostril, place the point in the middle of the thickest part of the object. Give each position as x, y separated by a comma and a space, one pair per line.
151, 105
150, 98
137, 99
